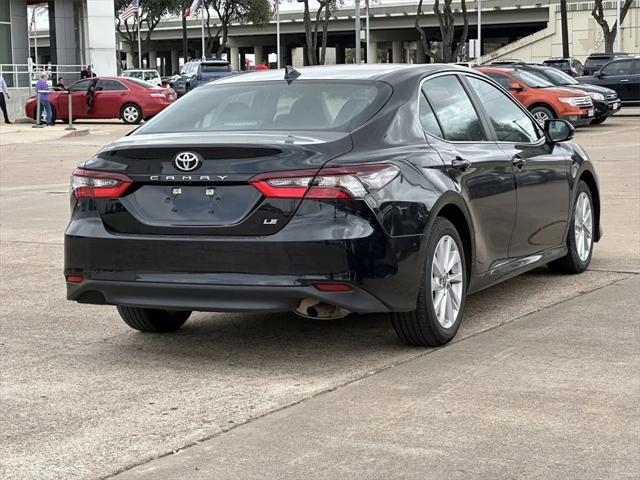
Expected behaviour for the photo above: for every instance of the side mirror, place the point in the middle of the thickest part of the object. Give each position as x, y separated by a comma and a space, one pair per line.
558, 130
599, 74
515, 87
199, 76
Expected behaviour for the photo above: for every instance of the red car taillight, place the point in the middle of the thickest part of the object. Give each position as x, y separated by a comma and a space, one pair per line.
354, 181
93, 184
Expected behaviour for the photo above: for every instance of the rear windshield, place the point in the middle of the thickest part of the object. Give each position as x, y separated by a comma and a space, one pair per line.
597, 61
557, 77
140, 83
214, 67
274, 105
556, 63
531, 80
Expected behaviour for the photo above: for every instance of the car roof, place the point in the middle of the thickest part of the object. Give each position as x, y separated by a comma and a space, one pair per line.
378, 71
140, 70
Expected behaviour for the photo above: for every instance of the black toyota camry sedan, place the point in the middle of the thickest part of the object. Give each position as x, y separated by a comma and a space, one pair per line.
329, 190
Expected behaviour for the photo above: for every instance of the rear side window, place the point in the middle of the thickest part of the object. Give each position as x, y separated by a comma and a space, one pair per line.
110, 85
619, 67
510, 123
141, 83
453, 109
428, 118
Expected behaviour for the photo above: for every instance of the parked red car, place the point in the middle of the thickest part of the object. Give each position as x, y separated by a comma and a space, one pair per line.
129, 99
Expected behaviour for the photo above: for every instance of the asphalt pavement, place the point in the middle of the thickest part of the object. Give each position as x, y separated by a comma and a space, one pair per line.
541, 382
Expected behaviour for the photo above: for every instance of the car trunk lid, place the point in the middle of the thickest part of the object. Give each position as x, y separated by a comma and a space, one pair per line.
214, 197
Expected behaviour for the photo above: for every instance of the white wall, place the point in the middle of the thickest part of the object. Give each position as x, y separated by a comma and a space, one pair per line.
585, 36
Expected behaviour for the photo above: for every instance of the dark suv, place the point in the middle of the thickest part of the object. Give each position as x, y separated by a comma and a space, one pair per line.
199, 72
596, 60
570, 66
605, 100
621, 75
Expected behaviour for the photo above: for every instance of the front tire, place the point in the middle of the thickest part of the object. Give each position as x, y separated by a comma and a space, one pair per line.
131, 114
542, 114
598, 120
580, 236
153, 320
443, 289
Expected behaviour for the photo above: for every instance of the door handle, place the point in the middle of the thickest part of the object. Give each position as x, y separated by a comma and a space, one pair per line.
624, 80
518, 161
460, 163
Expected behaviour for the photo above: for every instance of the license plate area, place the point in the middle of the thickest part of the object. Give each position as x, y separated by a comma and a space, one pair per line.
192, 205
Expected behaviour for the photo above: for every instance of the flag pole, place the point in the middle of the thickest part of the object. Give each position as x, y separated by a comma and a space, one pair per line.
479, 42
204, 53
358, 26
278, 32
139, 38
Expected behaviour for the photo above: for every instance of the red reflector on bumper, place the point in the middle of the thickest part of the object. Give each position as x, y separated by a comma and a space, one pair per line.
75, 278
333, 287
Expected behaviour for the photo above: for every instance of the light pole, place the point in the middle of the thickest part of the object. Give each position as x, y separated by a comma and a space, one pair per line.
358, 53
617, 47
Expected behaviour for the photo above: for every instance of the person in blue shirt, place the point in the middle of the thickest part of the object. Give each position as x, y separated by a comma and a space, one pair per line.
43, 94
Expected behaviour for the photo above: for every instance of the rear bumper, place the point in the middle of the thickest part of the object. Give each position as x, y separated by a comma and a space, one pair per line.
261, 273
217, 298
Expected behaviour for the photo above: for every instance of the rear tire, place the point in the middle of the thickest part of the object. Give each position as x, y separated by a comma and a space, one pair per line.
441, 288
580, 236
153, 320
43, 115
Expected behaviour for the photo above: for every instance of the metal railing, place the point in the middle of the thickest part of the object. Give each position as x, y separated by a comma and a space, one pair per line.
39, 112
26, 75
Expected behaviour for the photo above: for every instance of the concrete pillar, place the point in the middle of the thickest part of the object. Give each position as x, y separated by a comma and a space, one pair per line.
339, 54
175, 63
130, 59
100, 45
396, 51
235, 58
153, 59
420, 54
372, 53
258, 52
64, 48
407, 54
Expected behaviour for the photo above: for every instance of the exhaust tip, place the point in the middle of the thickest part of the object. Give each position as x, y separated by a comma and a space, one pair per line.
311, 308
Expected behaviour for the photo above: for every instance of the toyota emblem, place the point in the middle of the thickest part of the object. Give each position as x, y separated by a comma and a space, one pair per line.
187, 161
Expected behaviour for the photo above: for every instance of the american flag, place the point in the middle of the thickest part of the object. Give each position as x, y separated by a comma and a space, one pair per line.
195, 6
32, 23
130, 11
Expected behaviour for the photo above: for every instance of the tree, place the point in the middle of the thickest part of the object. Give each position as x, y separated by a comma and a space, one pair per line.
152, 11
311, 28
609, 33
449, 50
231, 11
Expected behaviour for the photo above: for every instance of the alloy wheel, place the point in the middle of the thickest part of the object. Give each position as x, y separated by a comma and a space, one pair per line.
446, 281
541, 117
583, 226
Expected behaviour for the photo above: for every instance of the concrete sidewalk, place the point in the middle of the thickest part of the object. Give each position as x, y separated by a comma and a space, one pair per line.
551, 395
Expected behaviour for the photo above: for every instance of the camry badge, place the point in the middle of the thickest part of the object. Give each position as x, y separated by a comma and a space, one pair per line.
187, 161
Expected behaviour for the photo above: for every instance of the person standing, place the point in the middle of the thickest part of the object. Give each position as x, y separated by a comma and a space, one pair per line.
43, 94
3, 104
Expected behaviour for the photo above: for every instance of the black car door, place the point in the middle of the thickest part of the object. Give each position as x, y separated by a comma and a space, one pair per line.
475, 162
618, 75
540, 171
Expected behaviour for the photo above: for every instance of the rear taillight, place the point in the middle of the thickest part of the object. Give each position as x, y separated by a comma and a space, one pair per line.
354, 181
93, 184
